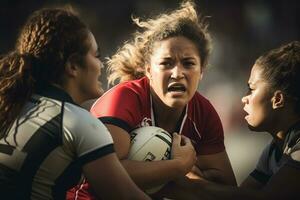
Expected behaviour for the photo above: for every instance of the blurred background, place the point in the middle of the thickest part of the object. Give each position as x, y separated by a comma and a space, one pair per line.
241, 30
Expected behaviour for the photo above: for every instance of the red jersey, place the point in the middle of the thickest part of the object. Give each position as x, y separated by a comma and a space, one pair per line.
128, 105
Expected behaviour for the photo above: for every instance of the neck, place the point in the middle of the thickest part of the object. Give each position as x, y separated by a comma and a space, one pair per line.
280, 131
73, 92
166, 117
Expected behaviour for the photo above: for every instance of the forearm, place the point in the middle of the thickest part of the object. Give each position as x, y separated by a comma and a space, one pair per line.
192, 189
218, 176
215, 168
174, 191
212, 175
149, 174
230, 193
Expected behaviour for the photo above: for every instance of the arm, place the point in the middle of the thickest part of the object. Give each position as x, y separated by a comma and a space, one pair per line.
215, 167
212, 162
148, 174
283, 185
109, 168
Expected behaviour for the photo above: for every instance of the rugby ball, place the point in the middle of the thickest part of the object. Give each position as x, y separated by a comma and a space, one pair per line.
150, 143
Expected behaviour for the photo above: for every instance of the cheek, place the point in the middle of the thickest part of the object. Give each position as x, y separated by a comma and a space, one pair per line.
96, 69
159, 80
194, 82
258, 110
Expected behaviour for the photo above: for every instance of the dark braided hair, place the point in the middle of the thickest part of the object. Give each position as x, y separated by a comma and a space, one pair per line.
46, 41
281, 68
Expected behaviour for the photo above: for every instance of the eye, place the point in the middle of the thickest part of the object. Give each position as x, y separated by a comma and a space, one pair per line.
188, 64
166, 64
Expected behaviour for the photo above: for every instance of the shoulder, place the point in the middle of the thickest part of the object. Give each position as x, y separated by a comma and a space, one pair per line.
82, 131
293, 143
202, 109
128, 94
199, 100
139, 87
265, 158
76, 113
79, 122
295, 150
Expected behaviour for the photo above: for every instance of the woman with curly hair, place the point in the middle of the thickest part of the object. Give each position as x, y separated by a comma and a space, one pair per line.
271, 105
46, 139
159, 71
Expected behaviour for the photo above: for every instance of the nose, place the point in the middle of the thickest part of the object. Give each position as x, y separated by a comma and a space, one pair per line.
177, 72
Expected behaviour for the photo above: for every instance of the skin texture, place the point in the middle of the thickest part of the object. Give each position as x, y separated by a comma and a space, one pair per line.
84, 76
174, 62
257, 102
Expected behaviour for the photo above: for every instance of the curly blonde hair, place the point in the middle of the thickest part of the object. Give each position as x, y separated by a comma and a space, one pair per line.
129, 61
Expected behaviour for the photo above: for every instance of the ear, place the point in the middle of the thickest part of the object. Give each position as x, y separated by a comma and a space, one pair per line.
201, 75
72, 66
148, 71
278, 99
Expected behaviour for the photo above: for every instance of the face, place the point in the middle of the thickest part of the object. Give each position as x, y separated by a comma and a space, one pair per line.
89, 73
257, 102
174, 71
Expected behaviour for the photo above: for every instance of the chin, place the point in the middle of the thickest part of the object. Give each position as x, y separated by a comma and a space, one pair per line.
96, 94
251, 128
177, 104
256, 128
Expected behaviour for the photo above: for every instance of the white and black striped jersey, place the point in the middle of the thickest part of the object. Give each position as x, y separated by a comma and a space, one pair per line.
47, 146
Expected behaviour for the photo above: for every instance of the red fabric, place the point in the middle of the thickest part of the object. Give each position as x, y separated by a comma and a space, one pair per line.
81, 192
130, 103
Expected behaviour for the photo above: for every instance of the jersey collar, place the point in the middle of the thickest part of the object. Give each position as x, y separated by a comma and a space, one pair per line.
54, 92
153, 118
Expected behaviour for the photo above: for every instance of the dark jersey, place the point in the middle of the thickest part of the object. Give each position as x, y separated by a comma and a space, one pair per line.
273, 158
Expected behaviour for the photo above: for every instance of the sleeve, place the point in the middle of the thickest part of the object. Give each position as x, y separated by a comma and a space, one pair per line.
262, 173
119, 106
212, 140
86, 135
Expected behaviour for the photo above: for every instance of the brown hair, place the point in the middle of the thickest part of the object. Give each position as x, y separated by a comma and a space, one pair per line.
281, 68
46, 41
129, 61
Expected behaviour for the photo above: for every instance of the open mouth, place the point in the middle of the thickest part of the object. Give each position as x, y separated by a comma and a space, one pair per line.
246, 114
176, 87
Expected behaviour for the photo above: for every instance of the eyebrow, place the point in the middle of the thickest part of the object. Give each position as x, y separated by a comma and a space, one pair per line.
189, 58
185, 58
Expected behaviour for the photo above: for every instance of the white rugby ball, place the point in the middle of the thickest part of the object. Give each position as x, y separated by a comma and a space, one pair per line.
150, 143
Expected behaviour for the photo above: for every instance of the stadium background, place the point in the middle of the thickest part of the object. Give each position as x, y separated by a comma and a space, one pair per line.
241, 31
